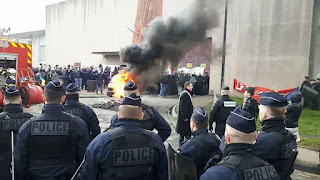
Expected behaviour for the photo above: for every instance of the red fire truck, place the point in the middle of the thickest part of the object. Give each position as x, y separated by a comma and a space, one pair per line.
17, 54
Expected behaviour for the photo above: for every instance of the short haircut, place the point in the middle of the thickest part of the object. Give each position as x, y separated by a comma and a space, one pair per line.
200, 125
237, 136
187, 84
12, 100
274, 111
53, 96
129, 111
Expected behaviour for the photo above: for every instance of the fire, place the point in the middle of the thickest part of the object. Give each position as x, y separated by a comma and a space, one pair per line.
118, 82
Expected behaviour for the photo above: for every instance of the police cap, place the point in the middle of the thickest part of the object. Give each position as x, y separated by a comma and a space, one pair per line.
71, 88
12, 91
130, 86
250, 90
272, 99
132, 100
55, 85
241, 120
200, 115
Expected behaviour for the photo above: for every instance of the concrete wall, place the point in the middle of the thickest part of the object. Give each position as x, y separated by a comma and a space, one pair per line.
76, 28
38, 44
268, 42
315, 43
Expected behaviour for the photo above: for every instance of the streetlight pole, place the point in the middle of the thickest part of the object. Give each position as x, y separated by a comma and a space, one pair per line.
224, 43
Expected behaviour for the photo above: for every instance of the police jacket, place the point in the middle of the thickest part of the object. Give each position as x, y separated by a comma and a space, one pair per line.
74, 107
10, 120
50, 145
151, 120
251, 105
275, 144
316, 86
200, 148
221, 109
293, 113
125, 152
240, 164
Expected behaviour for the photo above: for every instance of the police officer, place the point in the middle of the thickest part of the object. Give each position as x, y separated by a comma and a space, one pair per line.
240, 161
315, 98
249, 104
151, 119
203, 145
52, 145
74, 107
127, 151
10, 121
293, 112
220, 111
274, 144
306, 95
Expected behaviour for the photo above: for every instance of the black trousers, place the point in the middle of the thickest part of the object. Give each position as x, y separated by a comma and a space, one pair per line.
220, 128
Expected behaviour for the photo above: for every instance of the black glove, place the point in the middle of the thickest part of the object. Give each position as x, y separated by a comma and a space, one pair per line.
210, 127
213, 161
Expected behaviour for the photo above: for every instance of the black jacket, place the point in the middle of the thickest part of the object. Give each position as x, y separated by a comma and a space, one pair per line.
221, 109
185, 112
294, 110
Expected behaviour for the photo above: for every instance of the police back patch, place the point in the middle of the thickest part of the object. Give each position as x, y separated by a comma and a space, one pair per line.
287, 149
265, 172
75, 112
44, 128
229, 104
12, 124
129, 157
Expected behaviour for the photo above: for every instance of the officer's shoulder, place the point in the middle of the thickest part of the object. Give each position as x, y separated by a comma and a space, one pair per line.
266, 138
78, 120
28, 115
3, 114
219, 172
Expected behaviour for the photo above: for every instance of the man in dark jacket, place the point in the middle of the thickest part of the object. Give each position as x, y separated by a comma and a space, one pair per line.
185, 112
99, 82
220, 111
250, 104
315, 98
305, 93
293, 112
203, 144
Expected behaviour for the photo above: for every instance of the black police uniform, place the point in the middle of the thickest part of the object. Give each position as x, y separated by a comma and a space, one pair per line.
275, 144
294, 110
315, 98
151, 120
251, 105
126, 152
306, 95
52, 145
74, 107
10, 120
219, 113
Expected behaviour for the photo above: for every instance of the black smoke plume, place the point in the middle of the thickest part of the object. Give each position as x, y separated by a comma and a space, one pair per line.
166, 40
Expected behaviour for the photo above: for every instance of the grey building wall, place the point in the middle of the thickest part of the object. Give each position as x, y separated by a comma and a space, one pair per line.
268, 43
315, 43
38, 44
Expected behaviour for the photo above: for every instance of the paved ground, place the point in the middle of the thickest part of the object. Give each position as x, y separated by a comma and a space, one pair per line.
163, 105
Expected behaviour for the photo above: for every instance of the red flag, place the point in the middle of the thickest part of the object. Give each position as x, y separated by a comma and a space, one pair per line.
258, 90
238, 86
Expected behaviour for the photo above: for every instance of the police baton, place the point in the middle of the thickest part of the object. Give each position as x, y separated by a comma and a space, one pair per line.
75, 174
12, 156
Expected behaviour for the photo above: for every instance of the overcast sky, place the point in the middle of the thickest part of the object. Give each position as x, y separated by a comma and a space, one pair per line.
24, 15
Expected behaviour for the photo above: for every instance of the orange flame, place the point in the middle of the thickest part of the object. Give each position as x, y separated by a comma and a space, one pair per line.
118, 82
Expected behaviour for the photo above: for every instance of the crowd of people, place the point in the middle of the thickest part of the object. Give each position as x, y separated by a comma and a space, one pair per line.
310, 89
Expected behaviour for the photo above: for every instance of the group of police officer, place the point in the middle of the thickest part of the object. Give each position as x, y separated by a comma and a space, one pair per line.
56, 145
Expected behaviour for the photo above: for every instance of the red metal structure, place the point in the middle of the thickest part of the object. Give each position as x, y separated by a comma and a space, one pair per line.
17, 54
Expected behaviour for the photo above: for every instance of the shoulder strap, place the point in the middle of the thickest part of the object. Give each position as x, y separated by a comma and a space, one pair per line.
116, 133
146, 132
3, 114
233, 163
197, 142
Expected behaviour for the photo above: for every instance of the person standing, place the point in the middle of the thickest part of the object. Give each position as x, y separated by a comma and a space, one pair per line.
74, 107
250, 104
292, 115
315, 95
99, 82
11, 119
185, 112
126, 151
220, 111
164, 84
240, 161
52, 145
275, 144
306, 95
78, 78
203, 145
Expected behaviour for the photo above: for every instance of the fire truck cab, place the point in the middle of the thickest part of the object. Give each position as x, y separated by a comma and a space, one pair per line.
16, 69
